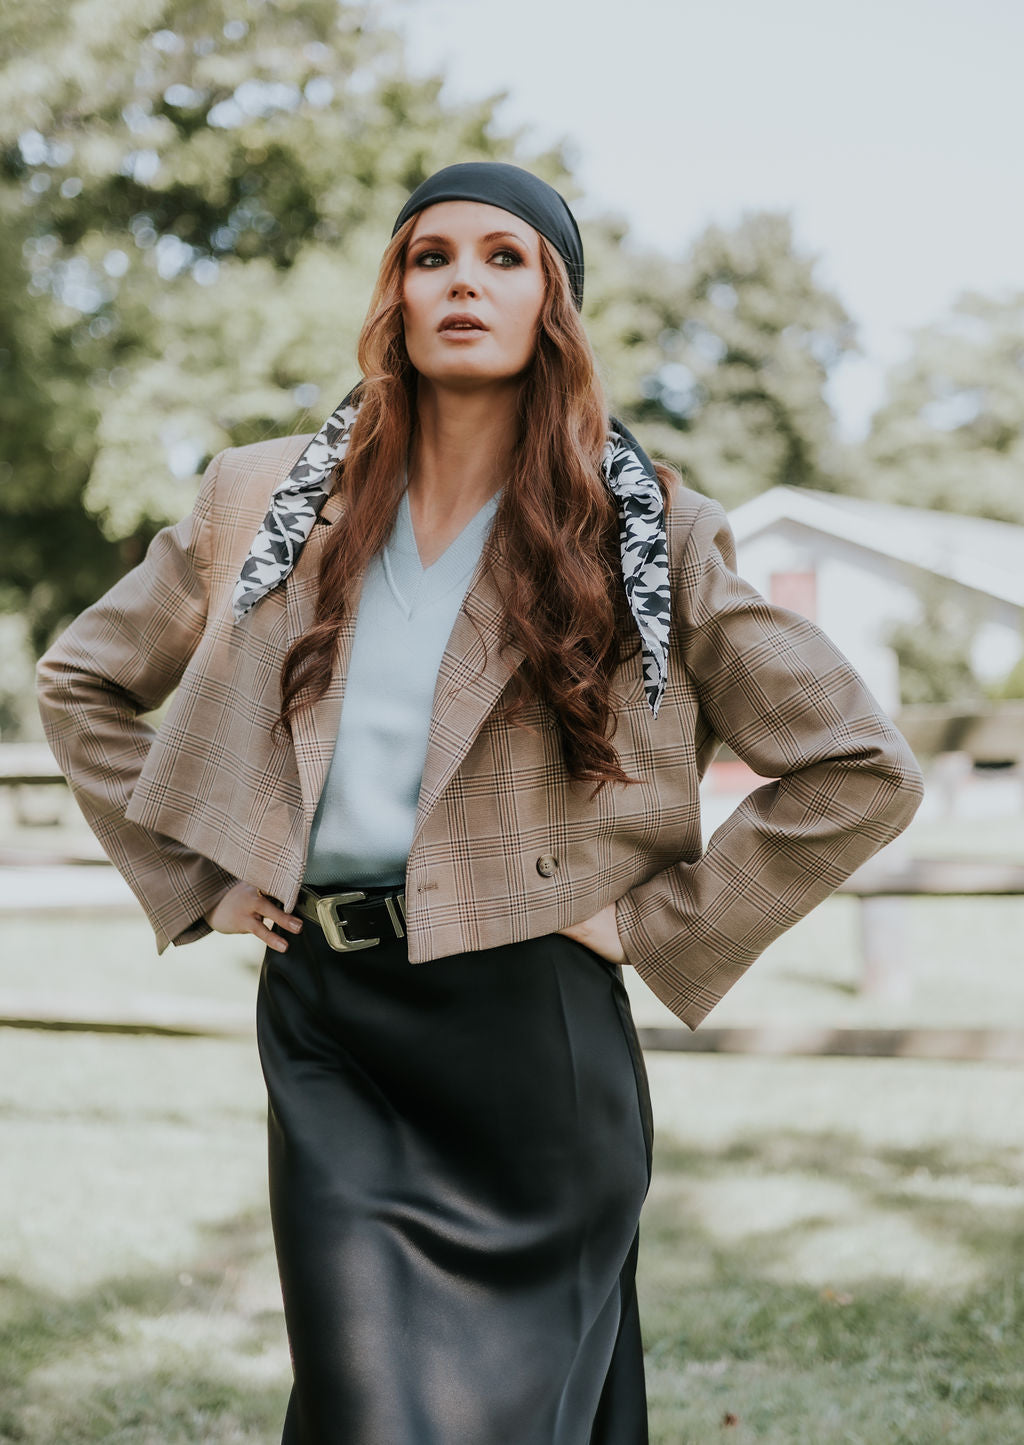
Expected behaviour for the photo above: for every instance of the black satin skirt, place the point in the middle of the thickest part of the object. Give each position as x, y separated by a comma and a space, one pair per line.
459, 1153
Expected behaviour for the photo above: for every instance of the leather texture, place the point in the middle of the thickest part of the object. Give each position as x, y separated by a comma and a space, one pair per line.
459, 1155
505, 847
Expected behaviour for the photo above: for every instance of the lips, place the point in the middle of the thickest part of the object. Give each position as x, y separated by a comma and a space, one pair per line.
461, 321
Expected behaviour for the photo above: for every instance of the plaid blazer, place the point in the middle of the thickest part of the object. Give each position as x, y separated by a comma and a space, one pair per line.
506, 847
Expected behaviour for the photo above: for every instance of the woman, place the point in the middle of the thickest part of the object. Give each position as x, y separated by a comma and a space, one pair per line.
465, 556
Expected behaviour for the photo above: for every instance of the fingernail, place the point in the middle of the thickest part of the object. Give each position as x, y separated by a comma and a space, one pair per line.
281, 947
295, 925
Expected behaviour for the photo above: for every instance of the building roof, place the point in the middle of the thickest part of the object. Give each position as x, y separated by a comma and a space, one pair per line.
978, 553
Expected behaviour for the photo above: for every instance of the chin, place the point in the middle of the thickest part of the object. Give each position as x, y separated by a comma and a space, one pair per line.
454, 368
467, 376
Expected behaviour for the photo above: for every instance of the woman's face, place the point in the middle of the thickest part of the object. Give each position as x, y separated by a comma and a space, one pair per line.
472, 294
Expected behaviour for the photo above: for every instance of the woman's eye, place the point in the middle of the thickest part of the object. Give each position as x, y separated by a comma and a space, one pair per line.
431, 260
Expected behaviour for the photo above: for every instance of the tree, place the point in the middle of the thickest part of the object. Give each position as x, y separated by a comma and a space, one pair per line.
194, 197
934, 648
193, 205
950, 434
724, 357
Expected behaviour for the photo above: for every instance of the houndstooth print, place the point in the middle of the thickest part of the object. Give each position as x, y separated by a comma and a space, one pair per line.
293, 510
625, 467
630, 475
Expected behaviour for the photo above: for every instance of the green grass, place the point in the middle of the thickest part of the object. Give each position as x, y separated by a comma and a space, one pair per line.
833, 1249
138, 1289
813, 1290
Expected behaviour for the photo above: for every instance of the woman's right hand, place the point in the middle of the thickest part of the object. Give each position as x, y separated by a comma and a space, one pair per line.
244, 909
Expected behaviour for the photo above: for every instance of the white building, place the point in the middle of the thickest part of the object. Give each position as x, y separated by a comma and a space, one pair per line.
855, 567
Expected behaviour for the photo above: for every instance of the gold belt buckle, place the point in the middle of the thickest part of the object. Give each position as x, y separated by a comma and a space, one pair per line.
334, 929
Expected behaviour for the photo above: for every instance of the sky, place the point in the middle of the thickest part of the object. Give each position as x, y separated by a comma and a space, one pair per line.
890, 130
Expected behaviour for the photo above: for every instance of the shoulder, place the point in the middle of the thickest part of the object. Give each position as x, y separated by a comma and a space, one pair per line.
236, 489
246, 476
695, 526
267, 461
274, 451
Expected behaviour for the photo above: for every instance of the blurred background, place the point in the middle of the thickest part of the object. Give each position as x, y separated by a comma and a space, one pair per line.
805, 285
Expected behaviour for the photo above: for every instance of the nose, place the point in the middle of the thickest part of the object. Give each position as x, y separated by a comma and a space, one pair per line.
463, 281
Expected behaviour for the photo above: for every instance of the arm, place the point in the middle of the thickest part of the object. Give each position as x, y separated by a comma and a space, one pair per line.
788, 703
120, 658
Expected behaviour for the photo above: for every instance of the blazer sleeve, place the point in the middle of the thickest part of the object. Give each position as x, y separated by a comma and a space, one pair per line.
121, 658
785, 699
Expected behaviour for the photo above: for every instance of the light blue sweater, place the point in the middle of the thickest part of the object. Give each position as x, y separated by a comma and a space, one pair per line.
362, 831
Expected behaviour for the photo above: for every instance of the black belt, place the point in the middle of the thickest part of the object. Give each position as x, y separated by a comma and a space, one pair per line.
336, 913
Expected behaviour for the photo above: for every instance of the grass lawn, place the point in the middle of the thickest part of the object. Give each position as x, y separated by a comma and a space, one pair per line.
833, 1250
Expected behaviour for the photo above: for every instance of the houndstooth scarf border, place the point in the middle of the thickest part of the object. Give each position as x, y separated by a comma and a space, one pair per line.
625, 467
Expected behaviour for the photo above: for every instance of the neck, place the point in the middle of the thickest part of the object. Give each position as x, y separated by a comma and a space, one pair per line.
462, 446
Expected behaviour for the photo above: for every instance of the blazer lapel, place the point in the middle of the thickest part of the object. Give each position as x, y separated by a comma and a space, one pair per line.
315, 729
469, 682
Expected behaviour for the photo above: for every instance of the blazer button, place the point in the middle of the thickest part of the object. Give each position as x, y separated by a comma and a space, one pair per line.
547, 865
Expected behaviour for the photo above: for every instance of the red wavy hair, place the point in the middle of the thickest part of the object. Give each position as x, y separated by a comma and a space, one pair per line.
556, 524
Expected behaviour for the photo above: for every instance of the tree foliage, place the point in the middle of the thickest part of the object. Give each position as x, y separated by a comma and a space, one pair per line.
194, 196
934, 648
723, 358
950, 434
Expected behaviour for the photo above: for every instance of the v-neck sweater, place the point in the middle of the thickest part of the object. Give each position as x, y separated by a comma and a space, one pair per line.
362, 830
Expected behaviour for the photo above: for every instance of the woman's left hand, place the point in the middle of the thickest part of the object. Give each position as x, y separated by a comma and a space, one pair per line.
601, 933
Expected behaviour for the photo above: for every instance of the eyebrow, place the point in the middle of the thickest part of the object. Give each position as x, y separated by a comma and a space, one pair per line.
447, 240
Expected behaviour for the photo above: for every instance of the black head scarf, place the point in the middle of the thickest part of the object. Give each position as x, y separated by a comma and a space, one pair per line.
512, 189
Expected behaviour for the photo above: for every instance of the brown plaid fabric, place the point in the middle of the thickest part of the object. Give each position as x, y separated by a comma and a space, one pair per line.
506, 847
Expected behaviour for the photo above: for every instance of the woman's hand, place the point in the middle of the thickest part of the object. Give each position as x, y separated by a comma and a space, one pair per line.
601, 933
244, 909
